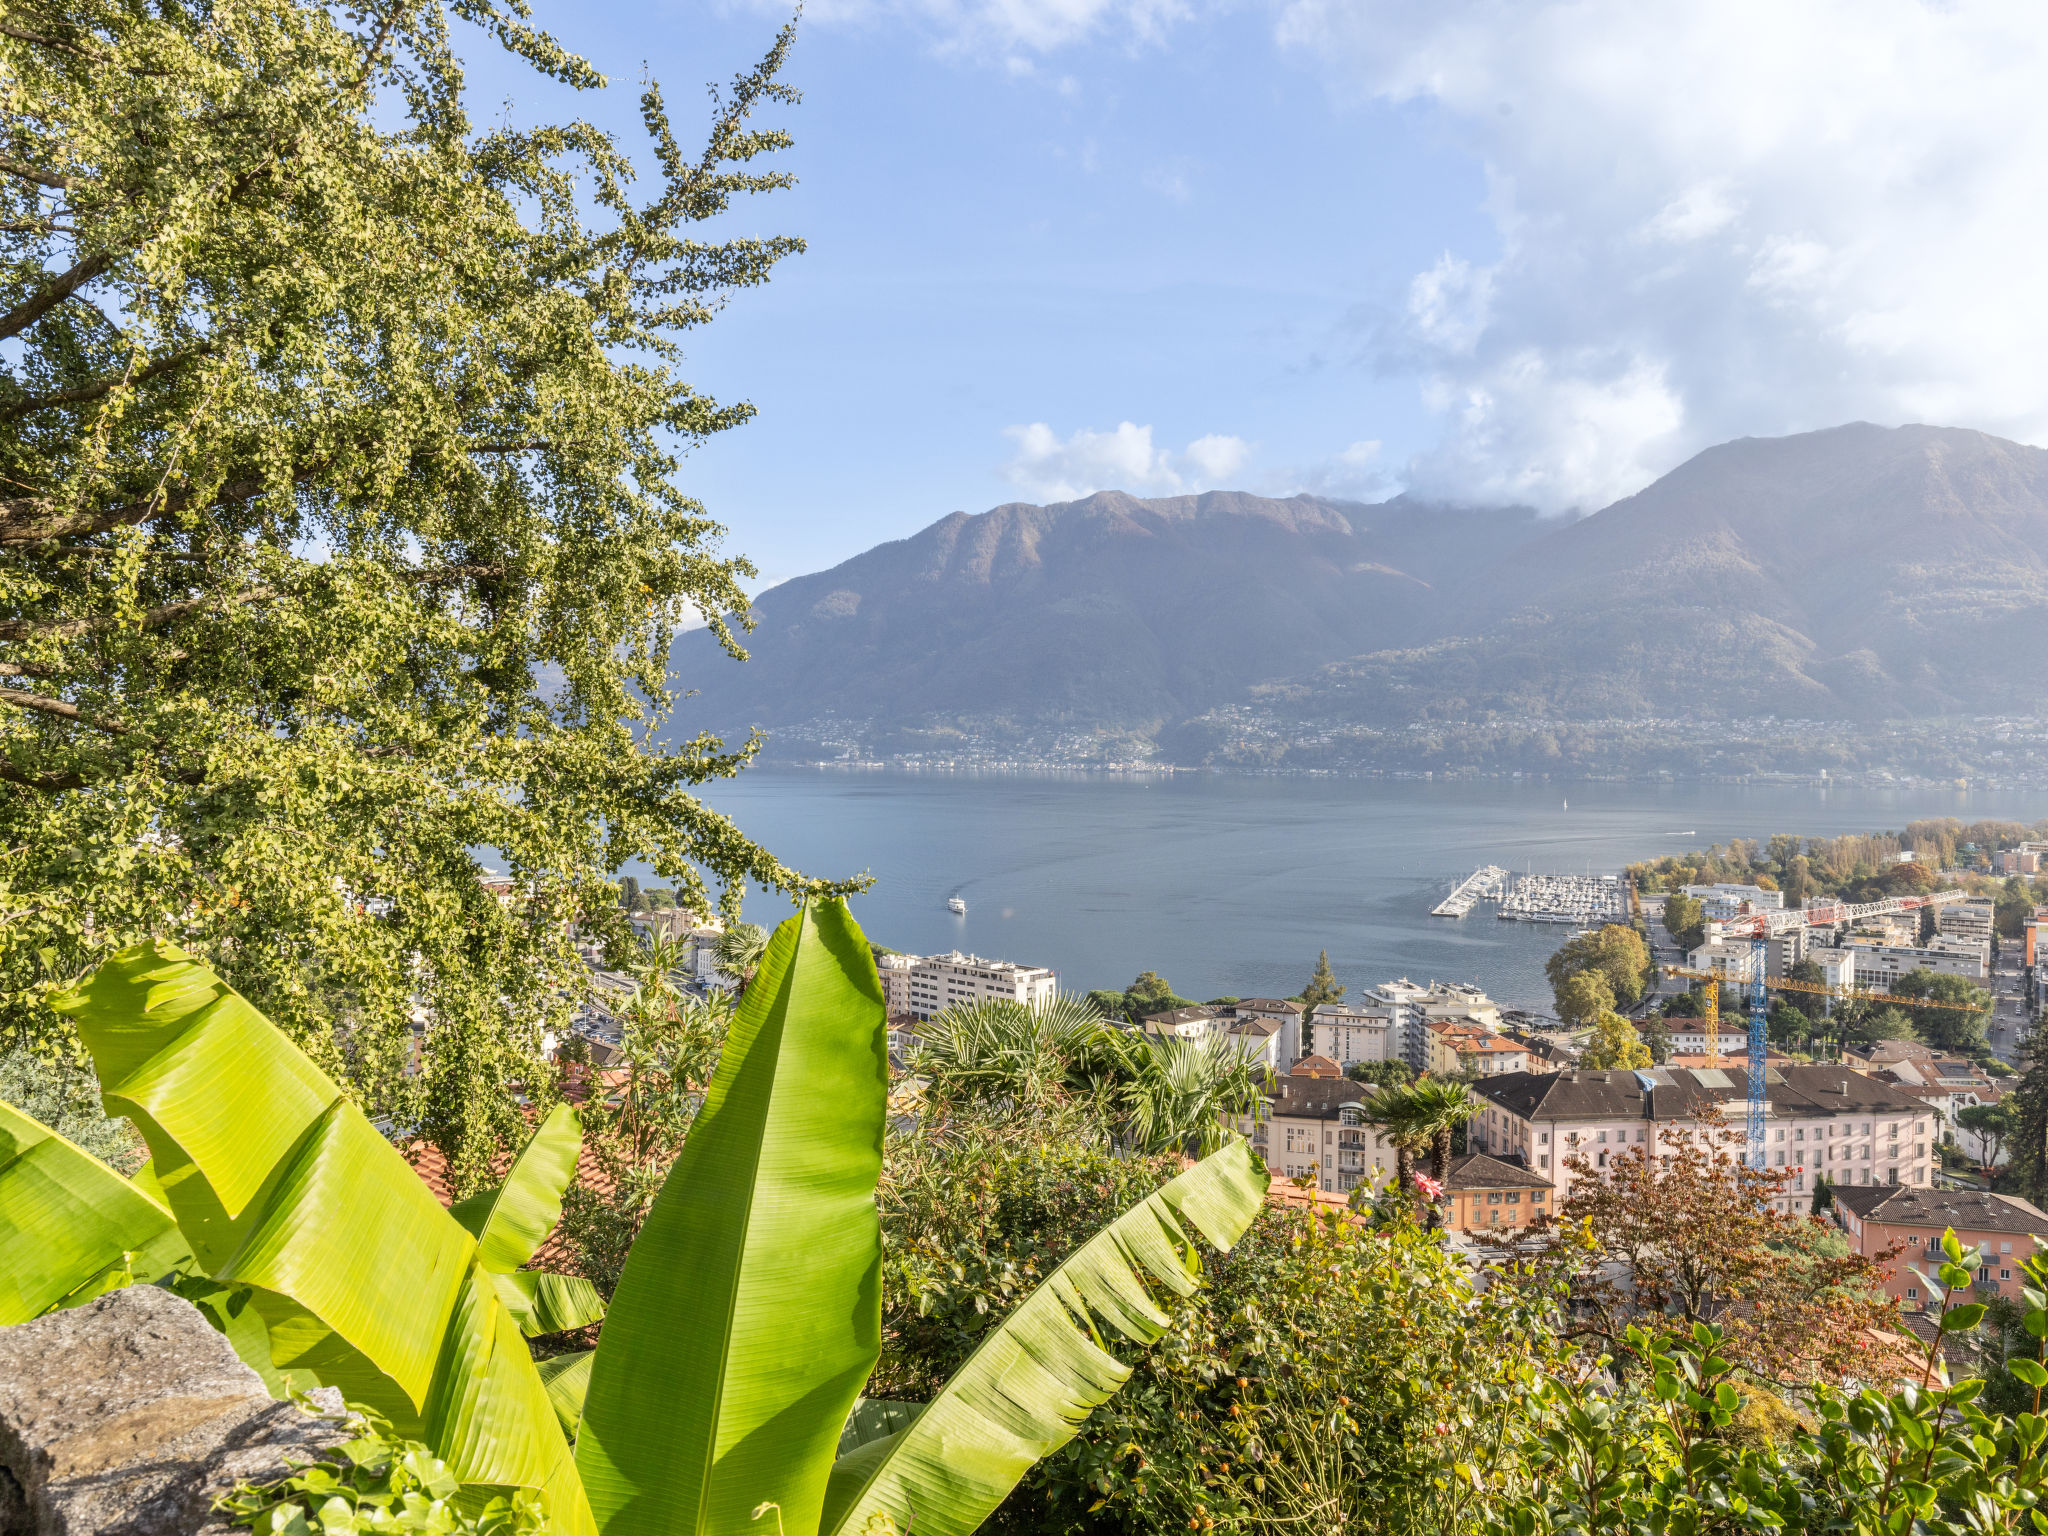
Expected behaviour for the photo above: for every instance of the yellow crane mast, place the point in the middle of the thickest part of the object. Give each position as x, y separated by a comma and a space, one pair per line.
1785, 984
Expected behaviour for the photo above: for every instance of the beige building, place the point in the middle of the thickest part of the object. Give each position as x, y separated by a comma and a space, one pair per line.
1970, 920
1316, 1127
1818, 1120
1457, 1049
1348, 1033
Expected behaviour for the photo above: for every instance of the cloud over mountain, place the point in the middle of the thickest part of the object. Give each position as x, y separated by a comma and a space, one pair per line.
1712, 220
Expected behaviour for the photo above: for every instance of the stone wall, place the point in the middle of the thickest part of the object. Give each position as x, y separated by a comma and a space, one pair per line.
130, 1415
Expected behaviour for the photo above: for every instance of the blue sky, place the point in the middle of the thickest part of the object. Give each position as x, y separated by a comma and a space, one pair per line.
1540, 251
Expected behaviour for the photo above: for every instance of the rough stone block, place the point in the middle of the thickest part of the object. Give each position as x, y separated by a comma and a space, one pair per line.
130, 1415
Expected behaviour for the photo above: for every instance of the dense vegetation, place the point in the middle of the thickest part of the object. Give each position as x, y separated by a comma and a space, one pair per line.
341, 535
1855, 867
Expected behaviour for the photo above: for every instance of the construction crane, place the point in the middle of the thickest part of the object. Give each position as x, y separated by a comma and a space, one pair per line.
1755, 981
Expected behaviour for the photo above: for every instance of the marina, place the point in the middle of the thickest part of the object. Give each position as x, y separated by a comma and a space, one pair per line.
1488, 882
1581, 900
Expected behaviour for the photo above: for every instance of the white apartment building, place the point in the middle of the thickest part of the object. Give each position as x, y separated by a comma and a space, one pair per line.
1818, 1120
1351, 1032
1720, 902
933, 983
1414, 1008
1879, 964
1967, 920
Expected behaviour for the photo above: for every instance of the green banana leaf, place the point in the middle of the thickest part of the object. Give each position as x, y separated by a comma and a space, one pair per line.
567, 1378
748, 1316
512, 1220
282, 1186
873, 1418
543, 1303
70, 1227
1028, 1386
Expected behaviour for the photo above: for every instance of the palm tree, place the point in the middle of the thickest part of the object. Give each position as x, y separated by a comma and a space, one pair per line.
1182, 1090
999, 1051
738, 951
1443, 1104
1403, 1116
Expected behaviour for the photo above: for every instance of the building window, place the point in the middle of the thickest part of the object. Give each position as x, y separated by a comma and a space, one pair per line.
1912, 1293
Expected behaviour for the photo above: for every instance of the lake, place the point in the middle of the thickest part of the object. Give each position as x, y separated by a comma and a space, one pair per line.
1231, 885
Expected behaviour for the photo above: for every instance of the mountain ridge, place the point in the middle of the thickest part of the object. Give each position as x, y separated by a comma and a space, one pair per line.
1859, 573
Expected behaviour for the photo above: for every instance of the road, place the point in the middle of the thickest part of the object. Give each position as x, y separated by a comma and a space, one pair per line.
2010, 1021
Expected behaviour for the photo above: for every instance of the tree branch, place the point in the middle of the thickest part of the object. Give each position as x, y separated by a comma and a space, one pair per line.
60, 709
155, 618
30, 173
28, 520
23, 35
48, 783
82, 393
53, 293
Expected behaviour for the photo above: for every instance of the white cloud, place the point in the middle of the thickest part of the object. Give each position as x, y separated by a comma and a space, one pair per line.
1053, 468
1753, 216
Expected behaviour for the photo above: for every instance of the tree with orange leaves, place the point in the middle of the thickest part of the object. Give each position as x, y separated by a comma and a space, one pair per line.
1691, 1233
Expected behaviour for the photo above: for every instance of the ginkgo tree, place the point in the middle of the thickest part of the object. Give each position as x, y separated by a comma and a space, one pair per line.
728, 1377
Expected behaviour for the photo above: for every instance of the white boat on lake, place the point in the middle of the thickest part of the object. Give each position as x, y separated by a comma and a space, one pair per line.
955, 904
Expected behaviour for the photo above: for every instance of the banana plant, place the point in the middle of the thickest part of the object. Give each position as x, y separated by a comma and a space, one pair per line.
512, 1219
298, 1214
70, 1226
727, 1380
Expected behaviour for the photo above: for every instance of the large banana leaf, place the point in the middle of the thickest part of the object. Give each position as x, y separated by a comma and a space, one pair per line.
1025, 1390
543, 1303
749, 1313
281, 1185
567, 1378
512, 1220
71, 1227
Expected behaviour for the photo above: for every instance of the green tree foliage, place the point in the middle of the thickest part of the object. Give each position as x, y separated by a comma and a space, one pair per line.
64, 1095
2029, 1143
1614, 1043
1614, 953
1948, 1029
1582, 997
1323, 986
1385, 1074
1152, 993
1685, 919
341, 535
1812, 1004
1993, 1125
1302, 1385
1656, 1037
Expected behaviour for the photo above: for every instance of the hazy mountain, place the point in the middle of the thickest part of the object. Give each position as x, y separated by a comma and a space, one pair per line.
1858, 573
1107, 611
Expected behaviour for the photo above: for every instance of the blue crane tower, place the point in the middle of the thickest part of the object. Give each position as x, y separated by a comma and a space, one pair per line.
1759, 955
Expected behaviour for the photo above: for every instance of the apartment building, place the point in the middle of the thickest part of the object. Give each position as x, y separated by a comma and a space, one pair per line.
1734, 959
936, 982
1290, 1046
1968, 920
1414, 1008
1457, 1049
1721, 902
1484, 1194
1351, 1032
1316, 1127
1818, 1120
2004, 1230
1879, 964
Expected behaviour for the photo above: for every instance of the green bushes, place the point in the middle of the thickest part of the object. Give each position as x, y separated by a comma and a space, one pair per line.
1335, 1376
